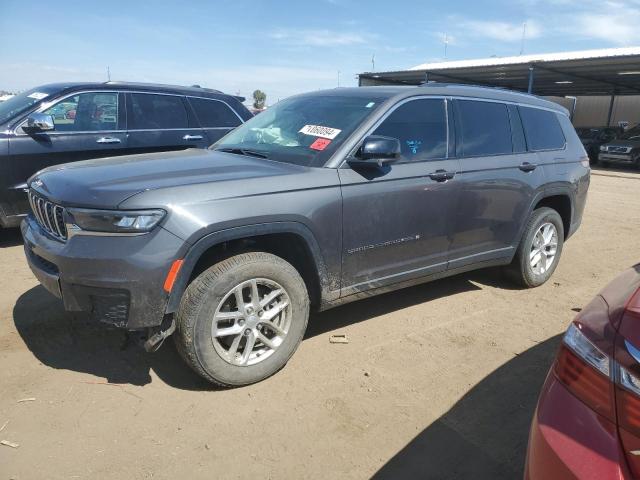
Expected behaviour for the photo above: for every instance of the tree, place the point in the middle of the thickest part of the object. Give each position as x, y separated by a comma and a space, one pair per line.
259, 99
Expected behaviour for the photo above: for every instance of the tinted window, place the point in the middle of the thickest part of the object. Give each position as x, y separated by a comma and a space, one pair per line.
542, 129
212, 113
157, 112
484, 128
421, 127
86, 112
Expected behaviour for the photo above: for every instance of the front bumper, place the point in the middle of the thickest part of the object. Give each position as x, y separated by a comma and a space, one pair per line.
618, 158
117, 279
568, 440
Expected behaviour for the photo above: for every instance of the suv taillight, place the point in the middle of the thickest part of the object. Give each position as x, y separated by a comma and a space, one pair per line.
602, 368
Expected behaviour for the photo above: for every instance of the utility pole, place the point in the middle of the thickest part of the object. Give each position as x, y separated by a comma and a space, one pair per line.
446, 44
338, 78
524, 35
108, 74
373, 62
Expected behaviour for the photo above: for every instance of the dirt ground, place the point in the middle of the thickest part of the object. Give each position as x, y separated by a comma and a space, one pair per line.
437, 381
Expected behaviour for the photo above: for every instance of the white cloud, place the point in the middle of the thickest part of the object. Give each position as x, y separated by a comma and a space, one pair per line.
319, 37
503, 31
614, 22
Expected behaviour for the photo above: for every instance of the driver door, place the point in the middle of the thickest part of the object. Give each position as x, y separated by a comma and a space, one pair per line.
87, 125
396, 220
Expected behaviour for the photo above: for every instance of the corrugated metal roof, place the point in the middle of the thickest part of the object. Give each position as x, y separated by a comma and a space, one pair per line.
589, 72
534, 58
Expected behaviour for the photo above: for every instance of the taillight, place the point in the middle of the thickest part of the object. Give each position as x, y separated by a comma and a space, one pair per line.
627, 360
586, 371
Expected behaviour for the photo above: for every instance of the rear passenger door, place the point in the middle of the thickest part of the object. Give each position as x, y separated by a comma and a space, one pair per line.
215, 117
161, 122
498, 180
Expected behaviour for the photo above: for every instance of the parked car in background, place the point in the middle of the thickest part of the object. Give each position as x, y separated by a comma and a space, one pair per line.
68, 122
587, 422
322, 199
624, 151
593, 137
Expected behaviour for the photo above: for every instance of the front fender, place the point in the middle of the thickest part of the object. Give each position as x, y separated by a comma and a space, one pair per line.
329, 286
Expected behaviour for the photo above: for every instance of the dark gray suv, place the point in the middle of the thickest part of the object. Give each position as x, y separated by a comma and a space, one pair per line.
67, 122
322, 199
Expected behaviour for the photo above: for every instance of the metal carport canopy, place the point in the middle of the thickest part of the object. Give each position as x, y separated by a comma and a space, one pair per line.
614, 71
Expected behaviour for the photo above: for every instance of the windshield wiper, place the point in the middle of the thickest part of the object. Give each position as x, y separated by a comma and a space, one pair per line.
242, 151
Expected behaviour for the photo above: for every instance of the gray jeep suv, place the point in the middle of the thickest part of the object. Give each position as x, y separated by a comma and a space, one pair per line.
323, 199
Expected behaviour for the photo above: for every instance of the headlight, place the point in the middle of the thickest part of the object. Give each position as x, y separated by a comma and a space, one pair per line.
113, 221
603, 148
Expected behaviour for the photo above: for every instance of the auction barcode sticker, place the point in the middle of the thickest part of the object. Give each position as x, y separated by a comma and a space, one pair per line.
38, 95
319, 131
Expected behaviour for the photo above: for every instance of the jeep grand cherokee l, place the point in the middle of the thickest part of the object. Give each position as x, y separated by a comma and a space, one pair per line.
61, 123
324, 198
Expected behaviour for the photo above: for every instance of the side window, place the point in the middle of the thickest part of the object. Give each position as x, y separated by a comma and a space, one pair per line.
542, 129
484, 127
212, 113
421, 128
157, 112
86, 112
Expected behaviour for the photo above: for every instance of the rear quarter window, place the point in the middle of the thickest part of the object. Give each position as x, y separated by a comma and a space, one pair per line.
542, 129
214, 113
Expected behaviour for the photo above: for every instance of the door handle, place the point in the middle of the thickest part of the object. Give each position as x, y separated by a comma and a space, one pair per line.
108, 140
442, 175
192, 137
528, 167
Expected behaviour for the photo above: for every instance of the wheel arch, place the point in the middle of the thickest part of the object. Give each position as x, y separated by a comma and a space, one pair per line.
291, 241
562, 202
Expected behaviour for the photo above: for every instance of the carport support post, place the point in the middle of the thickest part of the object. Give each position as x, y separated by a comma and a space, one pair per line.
611, 102
531, 69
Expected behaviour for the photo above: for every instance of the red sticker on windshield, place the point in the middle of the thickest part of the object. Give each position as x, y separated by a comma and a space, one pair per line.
320, 144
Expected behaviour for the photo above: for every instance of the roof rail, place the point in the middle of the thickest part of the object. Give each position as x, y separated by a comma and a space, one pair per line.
143, 84
433, 83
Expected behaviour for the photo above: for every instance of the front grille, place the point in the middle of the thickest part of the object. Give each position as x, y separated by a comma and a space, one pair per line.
49, 216
618, 149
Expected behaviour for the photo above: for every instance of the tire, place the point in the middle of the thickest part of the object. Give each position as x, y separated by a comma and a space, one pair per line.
199, 338
521, 270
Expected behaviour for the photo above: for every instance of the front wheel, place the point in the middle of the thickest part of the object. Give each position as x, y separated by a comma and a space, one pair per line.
539, 251
240, 321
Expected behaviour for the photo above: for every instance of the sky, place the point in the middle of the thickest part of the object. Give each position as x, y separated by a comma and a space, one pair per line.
285, 47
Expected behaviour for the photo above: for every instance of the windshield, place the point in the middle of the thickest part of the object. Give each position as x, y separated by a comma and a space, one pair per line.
302, 130
22, 102
633, 134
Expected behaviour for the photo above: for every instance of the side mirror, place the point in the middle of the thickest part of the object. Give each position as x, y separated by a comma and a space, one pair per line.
39, 122
377, 151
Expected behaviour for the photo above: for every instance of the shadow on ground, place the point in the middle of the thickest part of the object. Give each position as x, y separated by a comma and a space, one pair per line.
484, 435
10, 237
72, 341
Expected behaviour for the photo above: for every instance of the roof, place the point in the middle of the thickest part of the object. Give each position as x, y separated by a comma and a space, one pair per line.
397, 92
152, 87
587, 72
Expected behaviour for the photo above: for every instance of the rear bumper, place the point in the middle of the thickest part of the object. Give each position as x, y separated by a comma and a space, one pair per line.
568, 440
118, 280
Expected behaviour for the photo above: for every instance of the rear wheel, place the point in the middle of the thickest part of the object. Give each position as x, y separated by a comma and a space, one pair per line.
540, 248
240, 321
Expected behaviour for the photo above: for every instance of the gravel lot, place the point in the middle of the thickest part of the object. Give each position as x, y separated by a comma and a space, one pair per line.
437, 381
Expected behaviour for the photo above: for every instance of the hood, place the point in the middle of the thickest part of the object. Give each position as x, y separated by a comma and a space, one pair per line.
107, 182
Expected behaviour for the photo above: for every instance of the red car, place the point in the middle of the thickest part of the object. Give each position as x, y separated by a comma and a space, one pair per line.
587, 423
